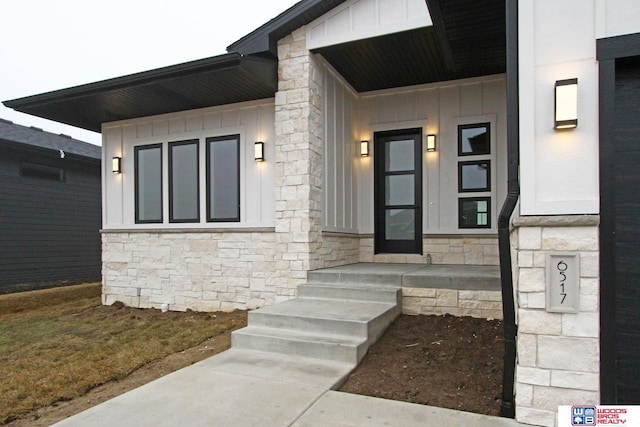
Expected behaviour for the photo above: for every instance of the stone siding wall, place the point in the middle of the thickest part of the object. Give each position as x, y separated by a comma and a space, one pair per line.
203, 271
298, 125
558, 353
470, 250
338, 249
483, 304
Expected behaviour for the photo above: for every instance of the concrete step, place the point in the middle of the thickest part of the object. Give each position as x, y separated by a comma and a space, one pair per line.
460, 277
361, 319
332, 321
351, 291
338, 348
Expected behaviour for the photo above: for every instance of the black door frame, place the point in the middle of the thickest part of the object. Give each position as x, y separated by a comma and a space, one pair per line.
608, 50
381, 244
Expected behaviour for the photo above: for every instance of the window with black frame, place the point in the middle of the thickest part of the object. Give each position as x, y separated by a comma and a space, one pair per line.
223, 179
184, 188
148, 183
474, 175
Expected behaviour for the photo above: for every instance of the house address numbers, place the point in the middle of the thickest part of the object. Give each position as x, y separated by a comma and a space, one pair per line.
563, 282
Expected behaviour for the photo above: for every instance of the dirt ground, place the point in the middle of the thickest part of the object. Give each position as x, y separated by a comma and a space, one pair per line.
443, 361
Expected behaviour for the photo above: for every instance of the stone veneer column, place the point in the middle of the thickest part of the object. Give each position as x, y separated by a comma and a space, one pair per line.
558, 354
298, 125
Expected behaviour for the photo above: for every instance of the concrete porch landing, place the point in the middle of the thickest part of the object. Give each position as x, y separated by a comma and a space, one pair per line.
459, 290
445, 276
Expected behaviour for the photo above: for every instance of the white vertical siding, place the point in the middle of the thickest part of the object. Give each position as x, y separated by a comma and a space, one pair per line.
340, 204
560, 169
254, 121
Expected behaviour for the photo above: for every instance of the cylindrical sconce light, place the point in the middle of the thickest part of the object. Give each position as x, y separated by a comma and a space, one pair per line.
566, 104
115, 164
259, 151
431, 143
364, 148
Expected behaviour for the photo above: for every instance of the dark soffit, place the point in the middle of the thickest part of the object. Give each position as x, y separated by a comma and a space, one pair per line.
404, 59
470, 33
219, 80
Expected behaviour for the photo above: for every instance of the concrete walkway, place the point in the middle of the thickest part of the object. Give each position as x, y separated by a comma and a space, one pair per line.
252, 388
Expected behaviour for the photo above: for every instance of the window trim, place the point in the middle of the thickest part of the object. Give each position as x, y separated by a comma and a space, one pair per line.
170, 146
208, 142
462, 200
136, 149
487, 126
461, 165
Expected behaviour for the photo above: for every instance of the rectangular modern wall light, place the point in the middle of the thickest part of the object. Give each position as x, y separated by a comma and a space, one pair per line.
259, 151
115, 164
431, 143
364, 148
566, 104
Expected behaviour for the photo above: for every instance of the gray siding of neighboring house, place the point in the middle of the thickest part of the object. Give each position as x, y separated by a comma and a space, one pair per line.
49, 230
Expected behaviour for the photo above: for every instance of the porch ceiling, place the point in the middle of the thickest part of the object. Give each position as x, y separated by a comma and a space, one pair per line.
467, 39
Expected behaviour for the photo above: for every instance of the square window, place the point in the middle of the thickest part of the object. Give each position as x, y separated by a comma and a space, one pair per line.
474, 176
474, 212
474, 140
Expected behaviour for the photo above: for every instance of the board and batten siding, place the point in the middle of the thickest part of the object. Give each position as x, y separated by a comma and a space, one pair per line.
49, 230
340, 156
253, 121
438, 109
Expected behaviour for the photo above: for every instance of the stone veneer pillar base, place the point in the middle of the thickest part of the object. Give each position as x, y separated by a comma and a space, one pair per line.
558, 353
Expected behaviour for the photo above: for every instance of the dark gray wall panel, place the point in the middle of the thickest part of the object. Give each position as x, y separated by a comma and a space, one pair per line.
49, 230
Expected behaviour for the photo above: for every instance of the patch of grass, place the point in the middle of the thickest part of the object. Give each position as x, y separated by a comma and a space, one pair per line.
57, 344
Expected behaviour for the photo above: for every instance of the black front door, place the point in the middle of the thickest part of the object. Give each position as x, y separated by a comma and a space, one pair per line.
398, 191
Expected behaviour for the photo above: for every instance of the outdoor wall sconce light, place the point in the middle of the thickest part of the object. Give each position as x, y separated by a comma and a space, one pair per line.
566, 108
431, 143
259, 151
364, 148
115, 164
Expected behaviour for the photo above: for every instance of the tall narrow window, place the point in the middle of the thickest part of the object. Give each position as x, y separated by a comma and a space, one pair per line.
184, 205
223, 178
148, 183
474, 175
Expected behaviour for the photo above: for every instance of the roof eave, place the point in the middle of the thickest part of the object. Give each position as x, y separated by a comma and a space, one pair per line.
263, 40
221, 61
89, 106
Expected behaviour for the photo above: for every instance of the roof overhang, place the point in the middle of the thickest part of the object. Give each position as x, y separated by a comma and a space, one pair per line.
467, 39
219, 80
